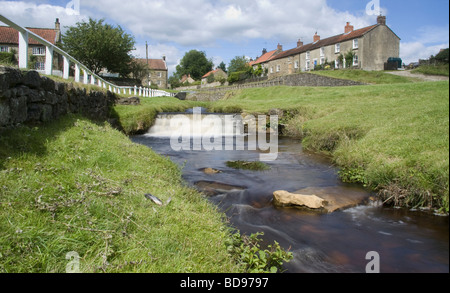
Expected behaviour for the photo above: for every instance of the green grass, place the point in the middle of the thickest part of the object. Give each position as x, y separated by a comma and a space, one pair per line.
74, 185
392, 137
368, 77
440, 69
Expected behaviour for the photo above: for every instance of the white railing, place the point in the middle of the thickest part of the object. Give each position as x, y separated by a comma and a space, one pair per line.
88, 76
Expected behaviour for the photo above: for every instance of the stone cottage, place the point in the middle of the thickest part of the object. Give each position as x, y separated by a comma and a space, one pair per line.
9, 42
266, 57
216, 73
372, 46
158, 72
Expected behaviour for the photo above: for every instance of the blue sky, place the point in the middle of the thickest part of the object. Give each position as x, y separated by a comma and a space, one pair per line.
228, 28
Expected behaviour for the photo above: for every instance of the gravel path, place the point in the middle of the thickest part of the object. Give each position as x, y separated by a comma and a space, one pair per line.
419, 75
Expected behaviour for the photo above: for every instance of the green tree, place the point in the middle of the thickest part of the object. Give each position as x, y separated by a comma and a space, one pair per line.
238, 63
223, 67
194, 63
98, 45
442, 57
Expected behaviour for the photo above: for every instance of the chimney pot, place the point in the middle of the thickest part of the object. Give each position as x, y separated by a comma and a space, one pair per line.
316, 38
348, 28
381, 20
299, 43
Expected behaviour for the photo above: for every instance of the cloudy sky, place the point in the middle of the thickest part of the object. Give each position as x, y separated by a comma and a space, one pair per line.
228, 28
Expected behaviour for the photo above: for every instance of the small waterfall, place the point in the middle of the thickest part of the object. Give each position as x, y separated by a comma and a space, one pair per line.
168, 125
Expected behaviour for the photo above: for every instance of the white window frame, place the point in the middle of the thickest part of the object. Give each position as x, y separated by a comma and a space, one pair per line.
322, 60
296, 64
337, 48
40, 66
355, 60
308, 55
322, 52
336, 63
307, 65
38, 51
271, 69
278, 68
355, 44
4, 49
159, 74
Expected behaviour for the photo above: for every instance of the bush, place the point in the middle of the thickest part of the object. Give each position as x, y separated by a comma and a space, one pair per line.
247, 251
238, 76
8, 58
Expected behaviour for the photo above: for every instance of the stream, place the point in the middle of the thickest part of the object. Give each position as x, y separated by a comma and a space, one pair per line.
406, 241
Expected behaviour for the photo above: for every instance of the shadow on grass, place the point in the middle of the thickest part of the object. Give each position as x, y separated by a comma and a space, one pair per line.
33, 139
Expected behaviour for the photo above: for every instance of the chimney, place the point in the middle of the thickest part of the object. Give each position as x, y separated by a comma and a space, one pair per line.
264, 51
280, 48
348, 28
381, 20
164, 58
299, 43
58, 30
316, 38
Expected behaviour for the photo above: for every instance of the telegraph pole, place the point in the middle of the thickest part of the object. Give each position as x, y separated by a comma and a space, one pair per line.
148, 67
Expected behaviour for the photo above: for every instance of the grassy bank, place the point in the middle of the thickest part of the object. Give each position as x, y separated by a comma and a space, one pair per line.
368, 77
394, 138
136, 119
440, 69
77, 186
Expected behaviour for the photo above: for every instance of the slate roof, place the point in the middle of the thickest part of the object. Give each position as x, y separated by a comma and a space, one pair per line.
9, 35
154, 64
326, 42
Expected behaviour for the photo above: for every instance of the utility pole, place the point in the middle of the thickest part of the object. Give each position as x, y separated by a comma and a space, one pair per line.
148, 67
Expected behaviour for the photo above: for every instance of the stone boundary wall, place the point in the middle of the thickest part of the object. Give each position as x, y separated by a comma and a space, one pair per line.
301, 79
29, 98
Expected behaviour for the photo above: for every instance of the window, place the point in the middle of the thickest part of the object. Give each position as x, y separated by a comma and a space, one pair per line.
308, 55
322, 61
322, 52
355, 60
39, 51
355, 44
160, 74
296, 64
4, 49
271, 69
307, 65
40, 66
278, 68
336, 64
337, 48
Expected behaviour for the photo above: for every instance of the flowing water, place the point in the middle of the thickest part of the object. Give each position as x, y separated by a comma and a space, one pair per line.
406, 241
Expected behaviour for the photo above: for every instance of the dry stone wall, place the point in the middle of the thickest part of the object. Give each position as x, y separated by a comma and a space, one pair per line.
29, 98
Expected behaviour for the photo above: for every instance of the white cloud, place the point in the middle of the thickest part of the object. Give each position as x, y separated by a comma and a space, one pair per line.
203, 22
413, 51
28, 14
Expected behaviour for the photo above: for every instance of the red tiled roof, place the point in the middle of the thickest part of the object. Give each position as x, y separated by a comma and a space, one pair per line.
211, 72
326, 42
154, 64
264, 58
9, 35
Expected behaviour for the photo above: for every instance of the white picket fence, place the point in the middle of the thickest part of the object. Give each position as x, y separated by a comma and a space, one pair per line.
87, 76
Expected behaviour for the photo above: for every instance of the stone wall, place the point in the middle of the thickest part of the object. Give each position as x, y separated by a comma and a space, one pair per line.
29, 98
